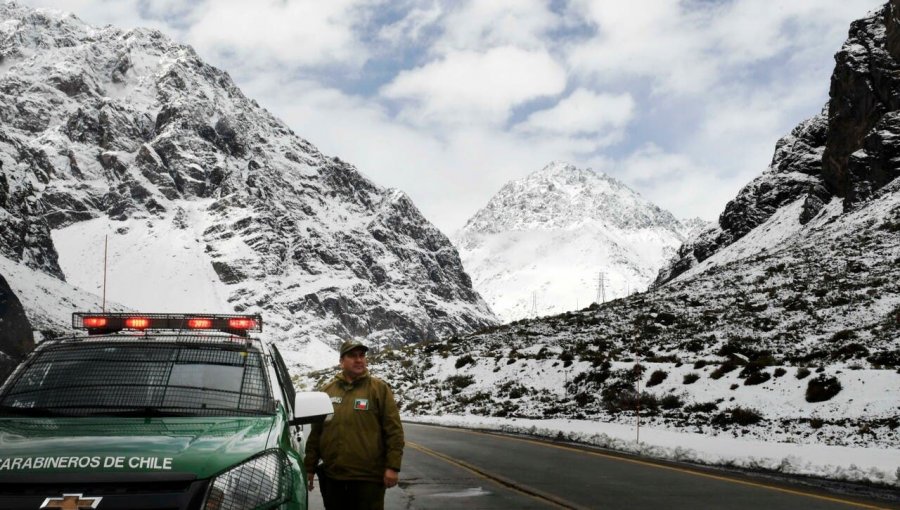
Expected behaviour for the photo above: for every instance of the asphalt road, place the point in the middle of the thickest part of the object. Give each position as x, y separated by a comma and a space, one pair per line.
447, 468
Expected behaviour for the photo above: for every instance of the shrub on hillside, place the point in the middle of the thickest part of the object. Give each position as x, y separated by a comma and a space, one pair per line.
758, 362
737, 416
458, 382
702, 407
802, 372
583, 399
671, 402
589, 380
649, 402
464, 360
853, 350
728, 366
757, 377
888, 359
822, 388
657, 377
695, 345
780, 371
691, 377
844, 334
619, 396
517, 391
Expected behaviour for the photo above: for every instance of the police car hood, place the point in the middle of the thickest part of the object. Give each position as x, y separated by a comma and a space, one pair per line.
201, 446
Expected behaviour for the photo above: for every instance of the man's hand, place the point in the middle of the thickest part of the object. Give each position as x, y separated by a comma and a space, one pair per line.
390, 478
310, 481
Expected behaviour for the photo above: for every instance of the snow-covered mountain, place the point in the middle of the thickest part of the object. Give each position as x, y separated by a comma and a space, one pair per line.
848, 152
210, 203
541, 243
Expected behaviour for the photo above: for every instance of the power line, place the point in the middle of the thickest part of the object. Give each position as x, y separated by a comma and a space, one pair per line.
601, 287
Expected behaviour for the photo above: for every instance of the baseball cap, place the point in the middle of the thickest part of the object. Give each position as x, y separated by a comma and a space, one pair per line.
349, 345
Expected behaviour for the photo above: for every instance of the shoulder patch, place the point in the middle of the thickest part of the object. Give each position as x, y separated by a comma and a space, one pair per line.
361, 404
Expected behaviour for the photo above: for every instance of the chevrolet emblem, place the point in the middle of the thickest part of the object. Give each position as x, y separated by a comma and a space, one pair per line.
71, 502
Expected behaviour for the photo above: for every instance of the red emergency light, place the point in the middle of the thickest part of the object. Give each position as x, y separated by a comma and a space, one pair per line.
95, 322
199, 323
241, 323
137, 322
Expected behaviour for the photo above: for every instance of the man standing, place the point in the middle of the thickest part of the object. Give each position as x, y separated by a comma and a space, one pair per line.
361, 446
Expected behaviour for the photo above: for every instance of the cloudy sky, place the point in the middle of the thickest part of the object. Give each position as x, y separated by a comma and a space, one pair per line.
449, 99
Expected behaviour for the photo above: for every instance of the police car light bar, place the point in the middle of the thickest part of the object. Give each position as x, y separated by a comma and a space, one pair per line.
104, 322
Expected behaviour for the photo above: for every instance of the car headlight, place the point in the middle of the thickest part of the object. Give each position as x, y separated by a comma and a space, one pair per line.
260, 482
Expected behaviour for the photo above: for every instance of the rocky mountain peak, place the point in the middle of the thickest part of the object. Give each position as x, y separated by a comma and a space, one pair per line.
560, 195
862, 112
848, 152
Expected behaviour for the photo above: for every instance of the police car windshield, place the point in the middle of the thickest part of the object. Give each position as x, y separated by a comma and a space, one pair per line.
139, 379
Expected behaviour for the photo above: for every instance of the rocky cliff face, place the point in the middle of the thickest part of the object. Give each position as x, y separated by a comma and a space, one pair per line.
849, 151
129, 125
16, 337
540, 244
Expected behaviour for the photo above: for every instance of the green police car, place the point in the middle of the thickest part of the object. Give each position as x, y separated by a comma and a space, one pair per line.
155, 411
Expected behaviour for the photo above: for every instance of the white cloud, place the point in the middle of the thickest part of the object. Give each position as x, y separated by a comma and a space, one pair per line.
583, 112
476, 24
409, 28
656, 39
688, 47
466, 87
450, 172
445, 109
269, 33
677, 183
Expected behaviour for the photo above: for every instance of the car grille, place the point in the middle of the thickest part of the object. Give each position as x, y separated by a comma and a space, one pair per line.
125, 491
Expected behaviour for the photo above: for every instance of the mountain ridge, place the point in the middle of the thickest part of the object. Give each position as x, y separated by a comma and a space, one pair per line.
129, 125
848, 151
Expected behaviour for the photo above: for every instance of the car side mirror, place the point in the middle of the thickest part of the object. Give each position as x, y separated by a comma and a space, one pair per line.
311, 407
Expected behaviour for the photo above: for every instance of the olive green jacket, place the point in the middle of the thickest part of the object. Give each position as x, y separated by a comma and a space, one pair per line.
363, 437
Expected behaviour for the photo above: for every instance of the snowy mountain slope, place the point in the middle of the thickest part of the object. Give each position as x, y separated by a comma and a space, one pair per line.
167, 247
849, 151
139, 139
541, 242
48, 301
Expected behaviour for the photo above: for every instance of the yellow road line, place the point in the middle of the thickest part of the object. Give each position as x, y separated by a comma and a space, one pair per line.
541, 496
672, 468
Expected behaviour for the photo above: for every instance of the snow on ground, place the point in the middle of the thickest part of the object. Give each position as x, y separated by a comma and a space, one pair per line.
552, 271
34, 290
312, 354
153, 265
877, 465
781, 228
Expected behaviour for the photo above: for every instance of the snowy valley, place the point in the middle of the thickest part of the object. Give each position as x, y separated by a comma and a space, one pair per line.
768, 340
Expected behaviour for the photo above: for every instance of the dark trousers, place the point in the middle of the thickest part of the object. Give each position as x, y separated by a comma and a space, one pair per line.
351, 494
